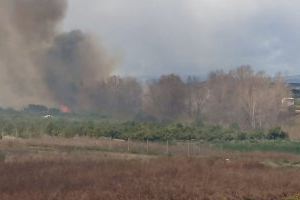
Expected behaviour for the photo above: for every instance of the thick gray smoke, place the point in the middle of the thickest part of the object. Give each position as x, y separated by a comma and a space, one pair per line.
39, 63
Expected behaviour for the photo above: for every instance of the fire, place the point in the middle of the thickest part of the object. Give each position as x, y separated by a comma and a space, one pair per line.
65, 109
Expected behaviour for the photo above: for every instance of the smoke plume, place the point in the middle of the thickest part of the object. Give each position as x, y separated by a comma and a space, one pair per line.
41, 64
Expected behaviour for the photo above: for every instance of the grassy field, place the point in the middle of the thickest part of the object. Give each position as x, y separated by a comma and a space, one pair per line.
50, 169
283, 146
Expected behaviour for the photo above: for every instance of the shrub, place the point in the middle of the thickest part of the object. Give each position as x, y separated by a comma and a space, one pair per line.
277, 133
30, 126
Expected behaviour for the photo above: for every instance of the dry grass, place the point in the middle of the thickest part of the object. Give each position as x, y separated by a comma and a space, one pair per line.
107, 145
28, 174
293, 127
166, 178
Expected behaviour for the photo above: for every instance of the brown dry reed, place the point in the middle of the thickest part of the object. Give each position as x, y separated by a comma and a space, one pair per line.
158, 179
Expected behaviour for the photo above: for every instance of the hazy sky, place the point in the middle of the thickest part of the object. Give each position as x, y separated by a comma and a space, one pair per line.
193, 36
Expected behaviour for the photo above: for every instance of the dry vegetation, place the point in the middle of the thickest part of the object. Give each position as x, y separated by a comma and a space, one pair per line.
88, 175
293, 127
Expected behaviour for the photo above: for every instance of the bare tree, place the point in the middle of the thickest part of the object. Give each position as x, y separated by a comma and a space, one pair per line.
198, 94
253, 100
165, 98
119, 96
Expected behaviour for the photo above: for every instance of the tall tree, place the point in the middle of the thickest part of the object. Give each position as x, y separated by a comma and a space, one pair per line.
253, 100
166, 98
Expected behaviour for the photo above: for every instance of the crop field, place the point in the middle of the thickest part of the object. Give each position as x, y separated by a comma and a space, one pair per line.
35, 169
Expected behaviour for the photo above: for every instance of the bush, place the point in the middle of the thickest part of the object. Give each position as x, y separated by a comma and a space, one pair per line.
28, 126
277, 133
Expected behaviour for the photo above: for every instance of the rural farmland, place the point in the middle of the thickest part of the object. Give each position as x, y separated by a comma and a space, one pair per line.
149, 100
58, 170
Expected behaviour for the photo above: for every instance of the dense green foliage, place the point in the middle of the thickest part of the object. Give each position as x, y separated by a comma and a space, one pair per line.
27, 125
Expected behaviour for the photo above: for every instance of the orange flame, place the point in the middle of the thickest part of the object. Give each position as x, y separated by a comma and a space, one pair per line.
65, 109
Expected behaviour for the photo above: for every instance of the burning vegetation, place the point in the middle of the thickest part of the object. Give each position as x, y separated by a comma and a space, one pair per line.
40, 64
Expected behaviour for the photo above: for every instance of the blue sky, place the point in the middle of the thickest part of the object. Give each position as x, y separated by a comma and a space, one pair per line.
193, 37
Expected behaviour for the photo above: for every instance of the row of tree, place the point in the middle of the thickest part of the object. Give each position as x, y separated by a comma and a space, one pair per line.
251, 100
241, 96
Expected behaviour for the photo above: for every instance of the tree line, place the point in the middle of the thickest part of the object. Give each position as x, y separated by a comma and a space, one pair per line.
251, 100
241, 96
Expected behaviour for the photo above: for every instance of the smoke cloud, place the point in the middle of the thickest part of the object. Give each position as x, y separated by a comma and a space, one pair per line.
41, 64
